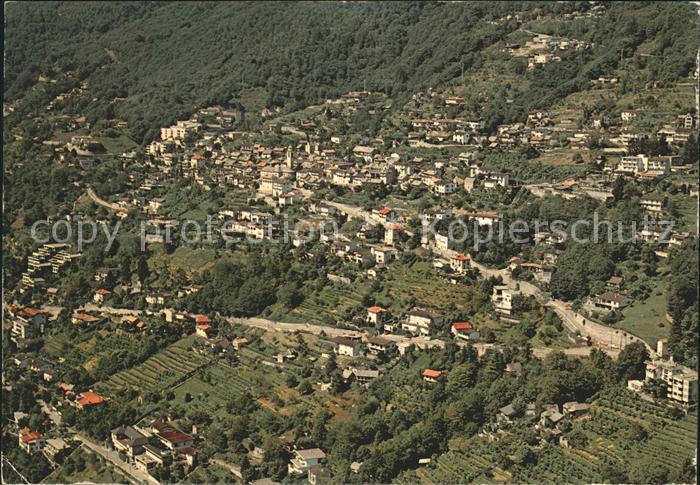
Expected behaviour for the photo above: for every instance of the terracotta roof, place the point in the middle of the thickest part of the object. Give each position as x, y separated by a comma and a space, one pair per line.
30, 312
29, 437
203, 327
102, 291
174, 436
202, 319
376, 309
85, 317
435, 374
89, 398
462, 326
461, 257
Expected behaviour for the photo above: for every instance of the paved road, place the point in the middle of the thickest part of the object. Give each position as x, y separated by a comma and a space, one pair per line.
137, 475
98, 200
354, 211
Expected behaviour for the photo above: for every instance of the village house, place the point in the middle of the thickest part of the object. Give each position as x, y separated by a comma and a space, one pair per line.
575, 409
550, 417
540, 59
505, 415
384, 214
155, 299
431, 375
613, 300
168, 435
460, 263
380, 345
464, 331
376, 315
419, 322
319, 475
239, 342
83, 319
383, 255
444, 187
54, 446
615, 282
502, 298
454, 101
346, 346
654, 203
363, 152
150, 458
203, 330
442, 242
304, 459
128, 440
101, 295
27, 323
361, 376
103, 274
484, 218
30, 441
89, 399
628, 115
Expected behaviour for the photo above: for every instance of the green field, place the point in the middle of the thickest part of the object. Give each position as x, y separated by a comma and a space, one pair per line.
643, 318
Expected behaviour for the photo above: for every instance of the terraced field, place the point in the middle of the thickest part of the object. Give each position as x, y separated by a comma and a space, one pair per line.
464, 467
330, 304
418, 280
670, 443
160, 371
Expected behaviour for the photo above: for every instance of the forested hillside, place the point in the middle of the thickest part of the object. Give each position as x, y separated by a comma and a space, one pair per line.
167, 58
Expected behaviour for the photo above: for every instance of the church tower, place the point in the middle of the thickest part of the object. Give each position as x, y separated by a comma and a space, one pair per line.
288, 158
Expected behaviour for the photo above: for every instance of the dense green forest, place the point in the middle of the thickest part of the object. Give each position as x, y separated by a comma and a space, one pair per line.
167, 58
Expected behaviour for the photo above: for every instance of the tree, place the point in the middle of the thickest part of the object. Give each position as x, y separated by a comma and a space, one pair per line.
305, 388
631, 361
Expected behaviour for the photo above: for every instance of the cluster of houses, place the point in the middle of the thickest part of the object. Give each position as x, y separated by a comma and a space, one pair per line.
154, 443
552, 422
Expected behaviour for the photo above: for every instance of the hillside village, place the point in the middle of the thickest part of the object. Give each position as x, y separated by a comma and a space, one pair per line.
251, 354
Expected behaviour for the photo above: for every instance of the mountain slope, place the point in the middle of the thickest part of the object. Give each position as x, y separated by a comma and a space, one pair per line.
167, 58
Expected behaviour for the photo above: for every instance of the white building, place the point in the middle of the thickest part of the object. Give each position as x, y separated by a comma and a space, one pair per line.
305, 459
682, 382
419, 321
502, 299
